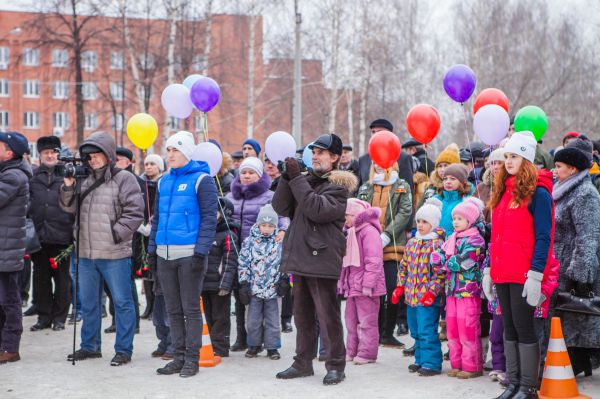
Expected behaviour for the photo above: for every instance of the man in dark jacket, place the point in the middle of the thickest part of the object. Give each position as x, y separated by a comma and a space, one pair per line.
347, 162
54, 228
14, 199
404, 161
312, 251
414, 148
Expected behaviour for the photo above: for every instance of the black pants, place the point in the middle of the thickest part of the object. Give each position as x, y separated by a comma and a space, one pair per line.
388, 312
25, 280
216, 310
240, 318
182, 287
287, 308
136, 303
52, 307
316, 299
517, 314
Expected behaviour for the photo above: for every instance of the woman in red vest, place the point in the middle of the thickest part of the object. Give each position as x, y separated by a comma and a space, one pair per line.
522, 235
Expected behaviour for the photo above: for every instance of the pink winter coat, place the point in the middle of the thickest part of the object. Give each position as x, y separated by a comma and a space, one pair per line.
370, 273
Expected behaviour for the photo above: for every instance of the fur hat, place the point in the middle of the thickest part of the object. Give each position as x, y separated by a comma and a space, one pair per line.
574, 157
184, 142
431, 212
48, 143
457, 170
522, 144
354, 206
252, 163
267, 215
583, 144
471, 209
157, 160
449, 155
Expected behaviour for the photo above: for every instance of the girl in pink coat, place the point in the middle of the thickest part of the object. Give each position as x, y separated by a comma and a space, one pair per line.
362, 281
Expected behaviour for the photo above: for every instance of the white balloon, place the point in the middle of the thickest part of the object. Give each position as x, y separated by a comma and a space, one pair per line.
211, 154
279, 146
491, 124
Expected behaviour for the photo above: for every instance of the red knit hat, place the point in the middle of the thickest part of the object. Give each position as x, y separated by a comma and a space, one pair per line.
570, 135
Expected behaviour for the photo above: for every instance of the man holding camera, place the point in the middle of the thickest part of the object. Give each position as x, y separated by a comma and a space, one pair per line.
111, 209
14, 199
54, 228
312, 251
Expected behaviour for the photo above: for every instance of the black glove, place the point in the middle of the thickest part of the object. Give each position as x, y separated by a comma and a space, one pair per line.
583, 289
282, 287
151, 260
292, 167
198, 263
245, 293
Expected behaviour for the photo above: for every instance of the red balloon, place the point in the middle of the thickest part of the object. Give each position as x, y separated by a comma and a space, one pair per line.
384, 148
490, 96
423, 123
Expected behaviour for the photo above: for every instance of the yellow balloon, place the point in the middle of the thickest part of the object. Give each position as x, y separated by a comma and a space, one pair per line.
142, 130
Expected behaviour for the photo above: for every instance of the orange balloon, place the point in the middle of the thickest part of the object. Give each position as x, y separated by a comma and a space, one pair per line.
490, 96
384, 148
423, 123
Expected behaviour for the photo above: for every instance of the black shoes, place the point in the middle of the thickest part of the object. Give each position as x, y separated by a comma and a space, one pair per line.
292, 372
32, 311
58, 326
189, 369
273, 354
322, 357
425, 372
173, 367
120, 359
408, 351
157, 353
333, 377
509, 392
238, 347
252, 351
390, 342
111, 329
286, 327
39, 326
402, 329
413, 368
82, 354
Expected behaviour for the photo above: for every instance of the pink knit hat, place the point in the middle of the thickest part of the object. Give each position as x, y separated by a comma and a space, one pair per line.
470, 209
356, 206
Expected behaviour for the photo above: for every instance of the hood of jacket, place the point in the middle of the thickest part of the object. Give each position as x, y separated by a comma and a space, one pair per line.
191, 167
366, 217
255, 234
20, 164
343, 178
545, 180
105, 142
252, 190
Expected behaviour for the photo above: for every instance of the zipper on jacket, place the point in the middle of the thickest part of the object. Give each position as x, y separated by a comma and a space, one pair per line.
187, 221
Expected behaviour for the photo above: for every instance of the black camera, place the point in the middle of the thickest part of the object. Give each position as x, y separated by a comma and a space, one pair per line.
72, 167
303, 167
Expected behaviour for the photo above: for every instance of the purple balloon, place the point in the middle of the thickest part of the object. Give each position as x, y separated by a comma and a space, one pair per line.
459, 82
205, 94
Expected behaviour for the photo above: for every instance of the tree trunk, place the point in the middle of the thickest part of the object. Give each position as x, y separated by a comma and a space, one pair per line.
79, 110
251, 99
207, 36
362, 125
334, 69
170, 64
349, 103
297, 101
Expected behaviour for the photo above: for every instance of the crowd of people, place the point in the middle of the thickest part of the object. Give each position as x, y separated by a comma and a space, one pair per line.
474, 247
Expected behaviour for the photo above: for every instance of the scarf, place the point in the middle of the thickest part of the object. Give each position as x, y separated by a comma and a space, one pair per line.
563, 187
352, 257
380, 180
449, 246
429, 236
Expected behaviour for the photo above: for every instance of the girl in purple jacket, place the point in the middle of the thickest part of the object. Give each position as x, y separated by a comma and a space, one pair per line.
362, 281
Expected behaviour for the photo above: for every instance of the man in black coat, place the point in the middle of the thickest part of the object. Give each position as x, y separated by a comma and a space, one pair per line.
414, 148
15, 173
54, 228
404, 161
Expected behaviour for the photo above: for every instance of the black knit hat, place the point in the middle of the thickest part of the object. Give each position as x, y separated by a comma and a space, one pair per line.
574, 157
48, 143
583, 144
125, 152
384, 123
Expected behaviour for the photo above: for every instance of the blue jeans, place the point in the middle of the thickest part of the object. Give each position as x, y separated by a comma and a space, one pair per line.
160, 319
423, 326
117, 275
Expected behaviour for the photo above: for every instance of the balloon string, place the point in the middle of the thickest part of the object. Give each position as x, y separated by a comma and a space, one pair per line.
393, 230
462, 105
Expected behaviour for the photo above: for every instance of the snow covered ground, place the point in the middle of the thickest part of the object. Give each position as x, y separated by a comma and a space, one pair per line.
44, 372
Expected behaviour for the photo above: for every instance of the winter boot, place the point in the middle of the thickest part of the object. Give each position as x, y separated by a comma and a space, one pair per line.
148, 292
485, 345
443, 336
529, 358
511, 352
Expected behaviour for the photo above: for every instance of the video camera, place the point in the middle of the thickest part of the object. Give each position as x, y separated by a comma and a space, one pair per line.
72, 167
282, 169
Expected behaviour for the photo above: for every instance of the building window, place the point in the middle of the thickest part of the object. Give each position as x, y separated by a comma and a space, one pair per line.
116, 121
89, 61
141, 92
60, 120
4, 88
199, 63
91, 121
33, 152
198, 123
31, 57
31, 120
60, 90
4, 57
147, 61
116, 60
116, 91
3, 120
31, 88
173, 123
90, 91
60, 58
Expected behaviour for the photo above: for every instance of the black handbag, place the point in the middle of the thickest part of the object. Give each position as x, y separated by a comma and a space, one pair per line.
32, 243
577, 302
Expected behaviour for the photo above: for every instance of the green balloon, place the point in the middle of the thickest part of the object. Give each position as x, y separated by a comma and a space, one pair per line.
533, 119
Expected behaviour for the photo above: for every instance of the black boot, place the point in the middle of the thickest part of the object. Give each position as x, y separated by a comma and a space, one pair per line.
509, 392
293, 372
529, 359
511, 352
580, 361
149, 293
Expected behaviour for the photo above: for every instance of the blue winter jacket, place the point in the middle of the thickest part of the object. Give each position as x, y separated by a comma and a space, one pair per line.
185, 211
449, 201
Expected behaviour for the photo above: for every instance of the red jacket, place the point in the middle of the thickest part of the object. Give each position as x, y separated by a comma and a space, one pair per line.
513, 236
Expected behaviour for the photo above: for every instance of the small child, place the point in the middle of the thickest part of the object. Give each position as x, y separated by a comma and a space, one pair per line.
259, 278
456, 187
421, 282
362, 281
462, 257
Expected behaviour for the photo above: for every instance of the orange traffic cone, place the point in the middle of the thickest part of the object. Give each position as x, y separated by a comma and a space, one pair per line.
558, 381
207, 355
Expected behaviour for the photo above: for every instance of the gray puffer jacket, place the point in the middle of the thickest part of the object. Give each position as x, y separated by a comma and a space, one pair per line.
14, 200
112, 212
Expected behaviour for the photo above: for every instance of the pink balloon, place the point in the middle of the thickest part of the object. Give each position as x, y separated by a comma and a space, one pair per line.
491, 124
175, 99
211, 154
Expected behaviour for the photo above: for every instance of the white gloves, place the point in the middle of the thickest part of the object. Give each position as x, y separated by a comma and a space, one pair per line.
533, 288
487, 285
145, 229
385, 240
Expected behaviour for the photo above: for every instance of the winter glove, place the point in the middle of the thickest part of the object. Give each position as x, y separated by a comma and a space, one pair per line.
436, 258
223, 292
385, 240
245, 293
427, 299
282, 287
397, 294
532, 289
487, 285
145, 229
151, 261
367, 291
292, 167
198, 262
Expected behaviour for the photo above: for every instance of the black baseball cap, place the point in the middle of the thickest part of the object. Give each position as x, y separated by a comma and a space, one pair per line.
330, 142
347, 147
411, 143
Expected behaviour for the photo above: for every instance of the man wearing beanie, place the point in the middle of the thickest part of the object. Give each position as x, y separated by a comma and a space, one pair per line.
251, 148
54, 229
111, 211
313, 251
404, 160
15, 173
183, 231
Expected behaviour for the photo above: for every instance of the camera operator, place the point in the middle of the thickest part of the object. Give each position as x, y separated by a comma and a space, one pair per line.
312, 251
54, 228
14, 198
111, 210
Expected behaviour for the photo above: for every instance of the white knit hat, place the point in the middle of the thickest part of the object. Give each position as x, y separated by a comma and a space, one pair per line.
497, 155
431, 212
523, 144
252, 163
184, 142
157, 160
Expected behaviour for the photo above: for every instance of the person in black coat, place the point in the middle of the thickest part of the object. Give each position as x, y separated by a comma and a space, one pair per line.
54, 228
220, 277
414, 148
